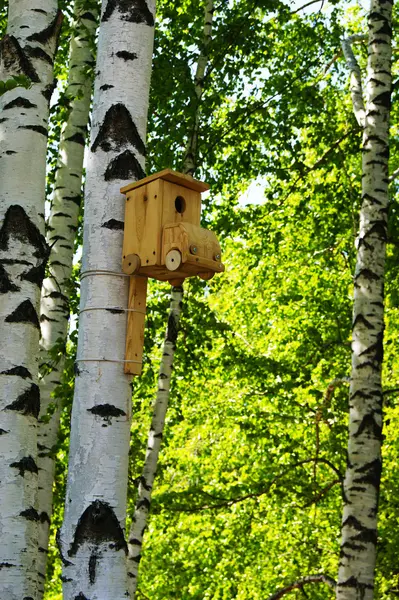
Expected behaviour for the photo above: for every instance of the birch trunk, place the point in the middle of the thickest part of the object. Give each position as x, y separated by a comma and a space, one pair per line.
362, 479
191, 154
62, 226
143, 502
92, 541
27, 49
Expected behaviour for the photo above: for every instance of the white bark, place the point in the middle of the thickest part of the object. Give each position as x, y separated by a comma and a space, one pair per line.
143, 501
27, 49
92, 539
356, 87
62, 226
362, 479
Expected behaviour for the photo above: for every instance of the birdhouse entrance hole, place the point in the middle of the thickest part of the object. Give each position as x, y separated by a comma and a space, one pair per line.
180, 204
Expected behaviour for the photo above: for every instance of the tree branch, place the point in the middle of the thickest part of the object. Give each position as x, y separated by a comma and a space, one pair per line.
299, 583
227, 502
356, 87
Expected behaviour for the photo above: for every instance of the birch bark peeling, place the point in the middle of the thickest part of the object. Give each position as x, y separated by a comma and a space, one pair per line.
92, 540
362, 479
27, 49
143, 501
62, 226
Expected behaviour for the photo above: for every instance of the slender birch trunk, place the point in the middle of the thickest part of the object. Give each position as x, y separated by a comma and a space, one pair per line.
362, 479
143, 501
191, 154
154, 440
92, 541
27, 49
62, 226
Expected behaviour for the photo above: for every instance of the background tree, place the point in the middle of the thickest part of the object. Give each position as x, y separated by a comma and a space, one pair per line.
27, 54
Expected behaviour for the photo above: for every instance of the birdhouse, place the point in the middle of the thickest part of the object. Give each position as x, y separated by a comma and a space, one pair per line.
163, 239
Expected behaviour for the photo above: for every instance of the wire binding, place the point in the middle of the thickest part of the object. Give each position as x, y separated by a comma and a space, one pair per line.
114, 360
112, 308
94, 272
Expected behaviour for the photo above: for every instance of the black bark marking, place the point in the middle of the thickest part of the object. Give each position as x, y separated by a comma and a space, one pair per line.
98, 525
65, 579
15, 59
352, 582
106, 412
92, 567
172, 330
35, 274
30, 514
113, 224
24, 313
133, 11
27, 403
18, 225
124, 55
78, 138
6, 284
19, 372
115, 311
124, 166
118, 130
61, 214
19, 103
383, 99
6, 565
75, 199
106, 86
37, 128
48, 90
369, 426
371, 474
134, 542
25, 465
3, 431
10, 152
44, 518
88, 16
39, 53
145, 503
367, 274
50, 31
361, 319
376, 350
80, 596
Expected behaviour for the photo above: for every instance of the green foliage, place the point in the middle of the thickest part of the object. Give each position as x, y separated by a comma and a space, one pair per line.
15, 81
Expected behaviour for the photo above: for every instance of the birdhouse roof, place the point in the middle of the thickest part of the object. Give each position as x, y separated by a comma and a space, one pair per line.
172, 176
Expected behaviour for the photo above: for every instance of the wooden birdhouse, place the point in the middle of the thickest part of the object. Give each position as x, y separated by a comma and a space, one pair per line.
163, 239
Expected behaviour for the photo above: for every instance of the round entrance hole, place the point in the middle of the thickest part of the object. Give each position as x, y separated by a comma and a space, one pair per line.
180, 204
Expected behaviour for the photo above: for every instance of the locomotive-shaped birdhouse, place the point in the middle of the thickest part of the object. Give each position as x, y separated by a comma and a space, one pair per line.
163, 239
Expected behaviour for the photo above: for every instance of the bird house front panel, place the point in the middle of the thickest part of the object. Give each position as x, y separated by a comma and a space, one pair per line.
143, 223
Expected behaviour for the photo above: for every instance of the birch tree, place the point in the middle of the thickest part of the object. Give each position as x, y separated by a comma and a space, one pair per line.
92, 541
26, 50
143, 501
362, 479
61, 230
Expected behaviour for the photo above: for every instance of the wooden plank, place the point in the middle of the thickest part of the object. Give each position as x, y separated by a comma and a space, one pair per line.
169, 175
135, 324
191, 199
143, 228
